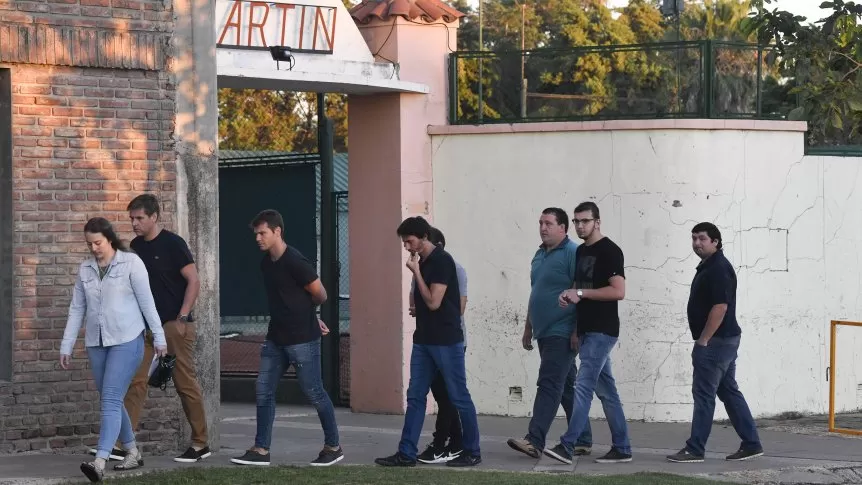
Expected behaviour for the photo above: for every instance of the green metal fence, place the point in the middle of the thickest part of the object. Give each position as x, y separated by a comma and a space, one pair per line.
342, 255
694, 79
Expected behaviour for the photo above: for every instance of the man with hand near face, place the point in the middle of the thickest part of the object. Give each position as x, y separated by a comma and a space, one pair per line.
712, 320
438, 344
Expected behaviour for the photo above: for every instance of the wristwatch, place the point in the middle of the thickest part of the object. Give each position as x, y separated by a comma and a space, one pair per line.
580, 293
184, 318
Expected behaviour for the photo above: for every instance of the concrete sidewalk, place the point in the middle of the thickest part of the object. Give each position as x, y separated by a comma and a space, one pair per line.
799, 456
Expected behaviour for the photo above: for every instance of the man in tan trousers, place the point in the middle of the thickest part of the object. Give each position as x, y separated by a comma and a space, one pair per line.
175, 286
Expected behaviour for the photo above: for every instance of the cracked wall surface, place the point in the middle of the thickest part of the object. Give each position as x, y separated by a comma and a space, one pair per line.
791, 229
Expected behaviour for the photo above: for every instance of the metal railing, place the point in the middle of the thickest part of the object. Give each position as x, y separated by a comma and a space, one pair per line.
692, 79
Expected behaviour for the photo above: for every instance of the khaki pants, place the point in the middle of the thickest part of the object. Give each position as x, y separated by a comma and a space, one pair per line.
181, 343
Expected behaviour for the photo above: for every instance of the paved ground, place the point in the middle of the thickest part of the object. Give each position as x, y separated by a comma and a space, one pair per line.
797, 451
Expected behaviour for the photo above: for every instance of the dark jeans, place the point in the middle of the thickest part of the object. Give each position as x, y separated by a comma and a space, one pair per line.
425, 362
595, 377
448, 425
274, 359
715, 375
556, 386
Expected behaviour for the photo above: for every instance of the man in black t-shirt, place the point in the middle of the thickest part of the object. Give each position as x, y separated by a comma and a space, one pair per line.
293, 290
599, 284
438, 344
713, 325
175, 286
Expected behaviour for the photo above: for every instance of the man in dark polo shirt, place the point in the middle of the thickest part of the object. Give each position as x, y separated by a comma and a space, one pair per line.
438, 344
712, 320
293, 290
175, 286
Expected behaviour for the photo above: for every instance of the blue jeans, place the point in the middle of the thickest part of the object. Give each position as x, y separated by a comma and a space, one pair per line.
113, 370
556, 386
595, 377
305, 358
715, 375
425, 361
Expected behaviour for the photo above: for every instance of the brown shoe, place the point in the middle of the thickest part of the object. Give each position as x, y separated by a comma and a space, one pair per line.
524, 447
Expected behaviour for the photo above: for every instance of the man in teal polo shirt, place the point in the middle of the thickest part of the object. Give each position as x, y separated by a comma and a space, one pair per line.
552, 272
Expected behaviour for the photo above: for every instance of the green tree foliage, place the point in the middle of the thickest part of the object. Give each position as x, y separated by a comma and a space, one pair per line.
256, 119
567, 75
567, 78
252, 119
822, 60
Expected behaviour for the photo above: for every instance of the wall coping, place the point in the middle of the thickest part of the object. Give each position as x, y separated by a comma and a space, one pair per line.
610, 125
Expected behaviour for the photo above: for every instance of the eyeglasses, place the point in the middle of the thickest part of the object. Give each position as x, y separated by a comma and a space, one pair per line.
581, 222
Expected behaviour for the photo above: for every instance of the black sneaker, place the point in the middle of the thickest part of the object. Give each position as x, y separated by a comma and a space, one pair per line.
524, 447
452, 453
743, 454
685, 456
116, 454
559, 453
328, 457
252, 457
395, 460
615, 456
434, 454
464, 460
192, 455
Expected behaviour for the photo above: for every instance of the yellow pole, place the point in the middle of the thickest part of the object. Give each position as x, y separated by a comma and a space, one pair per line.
833, 332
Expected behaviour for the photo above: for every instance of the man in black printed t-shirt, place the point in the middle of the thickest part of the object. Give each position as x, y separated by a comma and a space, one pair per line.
293, 290
599, 285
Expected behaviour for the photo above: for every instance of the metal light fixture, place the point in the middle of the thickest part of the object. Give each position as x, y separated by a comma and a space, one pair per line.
282, 53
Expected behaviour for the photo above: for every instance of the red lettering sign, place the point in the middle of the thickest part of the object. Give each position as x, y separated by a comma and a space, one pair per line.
249, 25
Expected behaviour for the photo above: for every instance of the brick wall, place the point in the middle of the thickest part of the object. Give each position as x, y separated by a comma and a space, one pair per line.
88, 135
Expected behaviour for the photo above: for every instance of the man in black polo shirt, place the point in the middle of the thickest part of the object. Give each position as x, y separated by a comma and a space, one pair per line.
712, 320
438, 344
293, 290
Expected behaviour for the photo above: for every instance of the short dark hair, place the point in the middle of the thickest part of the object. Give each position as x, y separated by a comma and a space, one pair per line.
271, 217
415, 226
437, 238
560, 214
148, 202
588, 206
710, 229
100, 225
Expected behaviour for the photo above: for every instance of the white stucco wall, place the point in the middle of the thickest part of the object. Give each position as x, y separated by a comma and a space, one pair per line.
790, 224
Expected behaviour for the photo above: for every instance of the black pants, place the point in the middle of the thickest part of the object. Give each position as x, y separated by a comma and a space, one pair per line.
448, 424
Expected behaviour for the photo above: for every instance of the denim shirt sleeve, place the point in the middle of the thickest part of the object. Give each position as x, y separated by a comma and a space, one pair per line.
77, 310
140, 280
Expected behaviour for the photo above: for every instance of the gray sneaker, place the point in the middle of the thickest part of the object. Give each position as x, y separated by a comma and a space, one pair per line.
130, 462
93, 472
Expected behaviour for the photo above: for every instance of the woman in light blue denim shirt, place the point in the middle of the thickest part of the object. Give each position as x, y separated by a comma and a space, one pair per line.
112, 295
